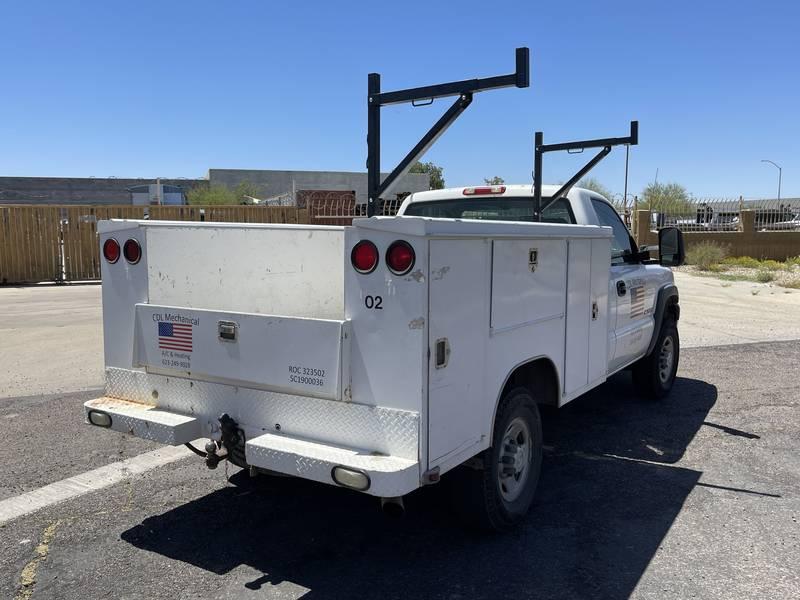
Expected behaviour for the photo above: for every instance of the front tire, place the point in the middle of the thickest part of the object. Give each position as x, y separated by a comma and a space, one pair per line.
497, 496
654, 374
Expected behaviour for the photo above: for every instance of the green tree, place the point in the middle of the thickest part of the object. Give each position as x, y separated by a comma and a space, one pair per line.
666, 197
496, 180
244, 192
594, 185
219, 194
210, 194
435, 173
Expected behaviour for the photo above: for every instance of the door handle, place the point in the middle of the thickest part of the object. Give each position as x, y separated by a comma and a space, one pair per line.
621, 290
442, 353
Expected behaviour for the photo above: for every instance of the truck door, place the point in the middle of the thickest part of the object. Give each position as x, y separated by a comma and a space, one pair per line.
630, 297
458, 327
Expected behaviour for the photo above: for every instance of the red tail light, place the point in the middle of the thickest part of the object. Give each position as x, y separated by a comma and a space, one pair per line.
400, 257
132, 251
364, 257
482, 191
111, 250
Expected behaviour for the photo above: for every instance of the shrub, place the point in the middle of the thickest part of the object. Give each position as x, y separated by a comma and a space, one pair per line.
764, 276
772, 265
742, 261
706, 256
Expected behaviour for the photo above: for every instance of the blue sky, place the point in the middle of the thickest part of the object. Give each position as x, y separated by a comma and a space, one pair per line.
169, 89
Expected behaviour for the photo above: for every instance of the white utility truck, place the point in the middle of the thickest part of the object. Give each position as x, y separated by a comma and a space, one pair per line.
382, 355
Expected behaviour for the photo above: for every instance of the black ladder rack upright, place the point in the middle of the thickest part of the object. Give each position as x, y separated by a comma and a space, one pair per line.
463, 89
540, 148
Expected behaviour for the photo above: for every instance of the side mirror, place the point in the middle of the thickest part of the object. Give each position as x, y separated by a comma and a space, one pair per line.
671, 252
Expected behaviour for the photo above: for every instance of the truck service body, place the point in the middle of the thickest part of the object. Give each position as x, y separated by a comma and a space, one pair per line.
383, 355
395, 377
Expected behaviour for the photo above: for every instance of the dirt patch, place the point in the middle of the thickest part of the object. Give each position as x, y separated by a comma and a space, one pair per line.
787, 276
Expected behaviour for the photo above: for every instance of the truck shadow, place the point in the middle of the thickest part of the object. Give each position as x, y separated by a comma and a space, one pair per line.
598, 519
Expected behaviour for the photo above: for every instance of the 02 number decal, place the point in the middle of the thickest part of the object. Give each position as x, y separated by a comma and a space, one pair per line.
373, 302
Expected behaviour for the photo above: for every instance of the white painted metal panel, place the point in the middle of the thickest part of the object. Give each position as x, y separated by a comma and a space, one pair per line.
599, 327
426, 226
390, 335
123, 286
459, 283
288, 271
522, 294
146, 421
389, 476
295, 355
579, 314
634, 320
543, 340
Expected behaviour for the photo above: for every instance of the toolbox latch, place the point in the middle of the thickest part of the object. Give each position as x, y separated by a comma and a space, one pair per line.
227, 330
442, 353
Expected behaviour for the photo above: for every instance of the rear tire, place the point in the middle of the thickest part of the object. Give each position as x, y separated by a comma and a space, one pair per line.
497, 496
654, 374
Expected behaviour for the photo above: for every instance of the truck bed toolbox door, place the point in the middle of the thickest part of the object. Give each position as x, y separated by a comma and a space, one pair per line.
308, 357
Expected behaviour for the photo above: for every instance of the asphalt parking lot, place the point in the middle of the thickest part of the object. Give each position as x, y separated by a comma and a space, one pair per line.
694, 497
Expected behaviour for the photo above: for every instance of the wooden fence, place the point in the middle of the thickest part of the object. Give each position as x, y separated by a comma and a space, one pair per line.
59, 243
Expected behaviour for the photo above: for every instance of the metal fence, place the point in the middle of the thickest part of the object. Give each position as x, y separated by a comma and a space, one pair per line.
339, 208
724, 214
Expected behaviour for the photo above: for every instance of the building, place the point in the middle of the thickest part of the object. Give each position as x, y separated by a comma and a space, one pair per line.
268, 183
79, 190
157, 193
271, 184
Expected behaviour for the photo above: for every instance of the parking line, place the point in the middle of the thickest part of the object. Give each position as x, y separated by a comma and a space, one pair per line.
91, 481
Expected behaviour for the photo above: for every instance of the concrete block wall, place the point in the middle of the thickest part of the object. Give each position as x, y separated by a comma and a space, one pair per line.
775, 245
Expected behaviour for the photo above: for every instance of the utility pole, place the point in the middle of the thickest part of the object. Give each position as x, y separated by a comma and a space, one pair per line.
780, 171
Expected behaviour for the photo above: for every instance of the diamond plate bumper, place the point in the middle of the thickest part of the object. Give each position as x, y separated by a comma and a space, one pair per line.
145, 421
389, 475
384, 430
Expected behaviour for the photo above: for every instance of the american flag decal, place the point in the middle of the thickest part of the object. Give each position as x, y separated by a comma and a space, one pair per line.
637, 301
175, 336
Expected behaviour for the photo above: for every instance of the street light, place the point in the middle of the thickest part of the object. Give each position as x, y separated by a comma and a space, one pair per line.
779, 175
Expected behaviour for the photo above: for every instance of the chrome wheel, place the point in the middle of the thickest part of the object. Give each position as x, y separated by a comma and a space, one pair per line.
515, 459
666, 358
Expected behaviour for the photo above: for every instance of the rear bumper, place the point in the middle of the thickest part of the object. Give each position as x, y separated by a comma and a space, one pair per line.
387, 475
144, 421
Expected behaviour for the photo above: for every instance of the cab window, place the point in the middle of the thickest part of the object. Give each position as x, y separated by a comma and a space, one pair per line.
558, 212
621, 242
492, 209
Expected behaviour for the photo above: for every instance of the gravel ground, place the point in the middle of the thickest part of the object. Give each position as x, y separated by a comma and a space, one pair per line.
787, 278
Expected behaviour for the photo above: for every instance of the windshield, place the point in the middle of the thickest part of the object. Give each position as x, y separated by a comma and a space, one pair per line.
491, 209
